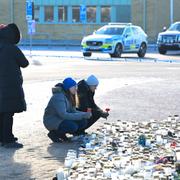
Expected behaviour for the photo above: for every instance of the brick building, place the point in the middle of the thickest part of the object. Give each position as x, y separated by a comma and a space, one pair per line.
60, 19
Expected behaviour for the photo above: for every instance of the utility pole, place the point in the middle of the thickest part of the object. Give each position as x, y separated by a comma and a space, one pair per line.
83, 16
171, 11
29, 18
144, 14
11, 11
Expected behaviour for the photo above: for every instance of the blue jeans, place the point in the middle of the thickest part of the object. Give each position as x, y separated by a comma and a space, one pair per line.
72, 127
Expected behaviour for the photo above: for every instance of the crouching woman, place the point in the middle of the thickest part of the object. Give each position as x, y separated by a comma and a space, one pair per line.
60, 115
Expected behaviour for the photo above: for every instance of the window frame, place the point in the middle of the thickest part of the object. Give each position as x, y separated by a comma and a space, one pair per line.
65, 11
38, 13
49, 22
77, 22
69, 20
94, 22
102, 16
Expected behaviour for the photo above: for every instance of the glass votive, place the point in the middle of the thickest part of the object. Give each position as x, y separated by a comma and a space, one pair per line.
159, 139
177, 166
169, 118
72, 153
107, 171
176, 117
60, 174
68, 162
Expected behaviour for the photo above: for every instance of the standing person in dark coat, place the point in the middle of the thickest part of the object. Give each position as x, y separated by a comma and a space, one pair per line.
11, 91
86, 91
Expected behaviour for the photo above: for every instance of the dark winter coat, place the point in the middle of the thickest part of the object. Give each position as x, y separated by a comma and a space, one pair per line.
86, 99
11, 80
60, 109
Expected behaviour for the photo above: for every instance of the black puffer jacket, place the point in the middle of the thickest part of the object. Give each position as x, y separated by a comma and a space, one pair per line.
11, 80
86, 99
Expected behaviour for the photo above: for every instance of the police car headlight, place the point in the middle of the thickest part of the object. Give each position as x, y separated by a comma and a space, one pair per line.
159, 38
108, 41
83, 41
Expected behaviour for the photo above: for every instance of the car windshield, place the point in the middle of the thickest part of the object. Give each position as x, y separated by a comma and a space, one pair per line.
111, 30
175, 27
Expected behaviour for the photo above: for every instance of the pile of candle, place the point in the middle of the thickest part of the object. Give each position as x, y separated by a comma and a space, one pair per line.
127, 150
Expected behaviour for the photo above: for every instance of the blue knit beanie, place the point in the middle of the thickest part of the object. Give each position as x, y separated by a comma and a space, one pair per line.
92, 80
68, 83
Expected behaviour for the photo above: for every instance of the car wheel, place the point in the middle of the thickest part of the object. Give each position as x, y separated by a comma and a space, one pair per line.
161, 50
87, 54
117, 51
142, 50
112, 55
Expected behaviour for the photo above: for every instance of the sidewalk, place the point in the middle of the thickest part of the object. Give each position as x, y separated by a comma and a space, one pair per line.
74, 52
63, 43
39, 158
133, 91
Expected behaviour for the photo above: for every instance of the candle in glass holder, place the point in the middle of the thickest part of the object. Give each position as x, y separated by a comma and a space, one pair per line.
68, 162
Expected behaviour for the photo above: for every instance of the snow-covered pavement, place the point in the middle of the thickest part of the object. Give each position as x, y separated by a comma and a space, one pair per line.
132, 90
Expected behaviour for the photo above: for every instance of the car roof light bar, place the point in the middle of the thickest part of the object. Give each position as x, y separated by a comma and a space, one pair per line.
127, 24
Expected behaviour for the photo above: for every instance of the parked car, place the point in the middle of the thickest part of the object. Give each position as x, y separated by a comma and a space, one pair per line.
115, 39
170, 39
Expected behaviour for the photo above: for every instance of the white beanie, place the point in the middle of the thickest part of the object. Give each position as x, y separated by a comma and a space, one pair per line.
92, 81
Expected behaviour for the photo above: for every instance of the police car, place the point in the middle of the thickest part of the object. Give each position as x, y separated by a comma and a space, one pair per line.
170, 39
115, 39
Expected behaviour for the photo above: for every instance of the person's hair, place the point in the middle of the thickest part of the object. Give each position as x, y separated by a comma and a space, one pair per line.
71, 97
77, 100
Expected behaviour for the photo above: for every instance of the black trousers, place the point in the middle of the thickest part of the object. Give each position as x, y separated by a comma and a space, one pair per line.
93, 119
6, 123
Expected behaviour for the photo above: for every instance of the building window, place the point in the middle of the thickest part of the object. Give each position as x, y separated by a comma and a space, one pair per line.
91, 14
49, 13
36, 13
105, 14
62, 13
75, 14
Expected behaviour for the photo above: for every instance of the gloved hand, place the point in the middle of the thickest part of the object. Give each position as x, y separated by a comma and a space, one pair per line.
104, 114
87, 115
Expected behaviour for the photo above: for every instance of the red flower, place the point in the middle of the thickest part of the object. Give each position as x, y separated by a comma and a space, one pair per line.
107, 109
173, 144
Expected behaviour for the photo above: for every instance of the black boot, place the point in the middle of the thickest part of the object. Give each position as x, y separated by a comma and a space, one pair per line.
15, 139
53, 136
15, 145
63, 137
79, 133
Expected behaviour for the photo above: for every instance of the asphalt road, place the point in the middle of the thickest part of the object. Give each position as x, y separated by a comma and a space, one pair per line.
75, 52
134, 90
